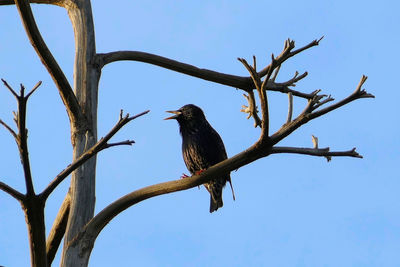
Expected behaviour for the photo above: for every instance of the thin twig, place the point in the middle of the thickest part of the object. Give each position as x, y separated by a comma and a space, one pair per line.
253, 74
320, 103
320, 152
126, 143
251, 109
290, 108
9, 129
307, 115
295, 79
10, 89
314, 140
273, 78
358, 93
287, 53
33, 89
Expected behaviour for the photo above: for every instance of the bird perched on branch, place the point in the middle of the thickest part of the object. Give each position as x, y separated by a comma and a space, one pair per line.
202, 147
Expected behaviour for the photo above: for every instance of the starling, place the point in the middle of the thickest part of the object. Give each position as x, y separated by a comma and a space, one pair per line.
202, 147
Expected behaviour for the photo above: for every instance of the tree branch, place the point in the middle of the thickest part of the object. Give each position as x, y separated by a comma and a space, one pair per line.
99, 221
260, 87
67, 95
51, 2
123, 143
314, 103
57, 230
319, 152
12, 192
251, 109
244, 83
357, 94
9, 129
290, 108
22, 137
99, 146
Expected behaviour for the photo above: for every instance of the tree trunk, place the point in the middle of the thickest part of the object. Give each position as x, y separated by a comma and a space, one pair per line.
83, 135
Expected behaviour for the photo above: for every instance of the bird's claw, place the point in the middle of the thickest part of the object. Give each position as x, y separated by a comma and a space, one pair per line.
184, 175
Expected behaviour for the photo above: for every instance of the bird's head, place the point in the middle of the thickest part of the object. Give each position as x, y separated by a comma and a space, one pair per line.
188, 116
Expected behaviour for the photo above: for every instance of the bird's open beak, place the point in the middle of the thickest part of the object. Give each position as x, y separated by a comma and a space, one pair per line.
176, 112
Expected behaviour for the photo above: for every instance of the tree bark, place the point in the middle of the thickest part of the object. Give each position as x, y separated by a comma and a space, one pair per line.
83, 135
34, 215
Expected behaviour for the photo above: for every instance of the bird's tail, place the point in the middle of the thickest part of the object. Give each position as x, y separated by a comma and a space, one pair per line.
215, 203
215, 189
233, 192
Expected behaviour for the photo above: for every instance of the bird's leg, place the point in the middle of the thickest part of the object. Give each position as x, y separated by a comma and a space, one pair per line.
199, 171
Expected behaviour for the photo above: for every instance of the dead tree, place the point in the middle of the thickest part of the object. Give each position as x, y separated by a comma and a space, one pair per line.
76, 221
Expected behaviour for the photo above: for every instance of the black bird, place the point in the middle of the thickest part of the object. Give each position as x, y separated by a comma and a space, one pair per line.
202, 147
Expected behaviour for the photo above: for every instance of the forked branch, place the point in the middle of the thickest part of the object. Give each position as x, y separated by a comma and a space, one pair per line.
311, 110
22, 137
99, 146
244, 83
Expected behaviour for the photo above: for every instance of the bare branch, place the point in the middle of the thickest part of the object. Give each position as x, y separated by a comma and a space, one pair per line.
314, 139
357, 94
99, 146
33, 90
58, 229
323, 102
273, 69
290, 109
9, 129
94, 226
283, 88
209, 75
295, 79
253, 74
52, 2
260, 87
12, 192
251, 109
320, 152
66, 92
308, 115
126, 143
21, 137
10, 89
244, 83
275, 74
287, 53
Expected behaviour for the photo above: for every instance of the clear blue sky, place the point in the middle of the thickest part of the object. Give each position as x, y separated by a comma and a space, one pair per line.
290, 210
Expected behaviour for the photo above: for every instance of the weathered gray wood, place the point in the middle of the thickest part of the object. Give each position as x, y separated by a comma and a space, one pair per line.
83, 137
